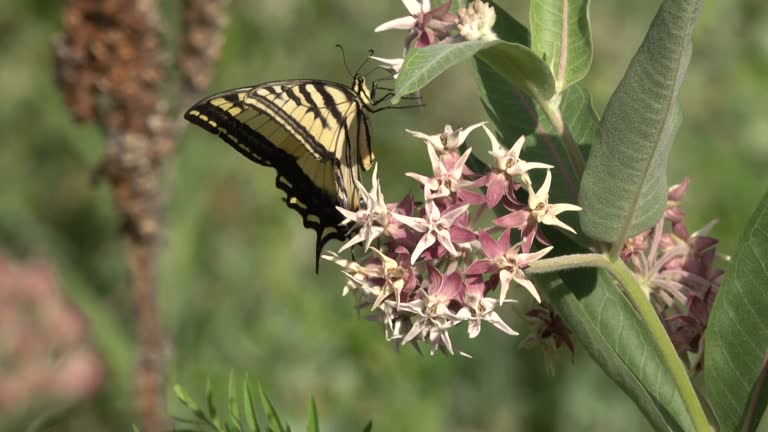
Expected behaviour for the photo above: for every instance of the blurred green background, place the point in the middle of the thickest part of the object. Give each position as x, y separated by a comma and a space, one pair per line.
238, 288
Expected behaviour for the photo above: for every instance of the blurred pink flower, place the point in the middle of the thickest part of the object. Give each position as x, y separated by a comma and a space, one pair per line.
45, 352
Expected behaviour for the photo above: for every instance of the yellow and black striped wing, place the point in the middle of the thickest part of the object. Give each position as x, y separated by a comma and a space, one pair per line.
314, 133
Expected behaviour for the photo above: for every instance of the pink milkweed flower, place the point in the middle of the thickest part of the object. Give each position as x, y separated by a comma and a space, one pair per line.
435, 225
396, 278
433, 318
538, 211
478, 308
509, 170
678, 273
373, 218
357, 274
507, 261
445, 181
424, 24
447, 141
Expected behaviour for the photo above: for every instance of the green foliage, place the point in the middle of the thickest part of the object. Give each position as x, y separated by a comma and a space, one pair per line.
561, 36
513, 61
737, 337
624, 188
238, 287
210, 419
608, 327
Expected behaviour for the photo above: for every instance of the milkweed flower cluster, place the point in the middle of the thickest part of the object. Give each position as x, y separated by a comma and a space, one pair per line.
428, 26
678, 272
432, 267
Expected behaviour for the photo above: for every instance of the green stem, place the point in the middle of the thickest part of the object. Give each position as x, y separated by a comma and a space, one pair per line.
555, 117
647, 313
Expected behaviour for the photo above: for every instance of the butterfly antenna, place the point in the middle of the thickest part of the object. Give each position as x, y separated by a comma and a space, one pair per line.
344, 58
370, 53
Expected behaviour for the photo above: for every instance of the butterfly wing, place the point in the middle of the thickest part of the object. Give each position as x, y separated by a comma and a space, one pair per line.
314, 133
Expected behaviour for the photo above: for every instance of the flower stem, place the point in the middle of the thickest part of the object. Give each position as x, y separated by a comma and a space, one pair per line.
555, 117
647, 313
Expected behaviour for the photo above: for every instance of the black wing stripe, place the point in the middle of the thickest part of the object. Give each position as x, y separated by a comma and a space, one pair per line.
285, 119
294, 97
330, 104
314, 109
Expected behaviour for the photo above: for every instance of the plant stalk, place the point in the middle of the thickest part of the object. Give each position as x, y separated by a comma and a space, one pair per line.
647, 313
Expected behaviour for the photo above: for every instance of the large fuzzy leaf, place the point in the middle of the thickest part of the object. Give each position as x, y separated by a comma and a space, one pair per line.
737, 334
624, 187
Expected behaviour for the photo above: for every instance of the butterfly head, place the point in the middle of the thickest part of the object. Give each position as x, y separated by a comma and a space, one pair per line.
360, 88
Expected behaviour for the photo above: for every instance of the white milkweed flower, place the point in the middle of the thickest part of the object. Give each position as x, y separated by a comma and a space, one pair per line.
476, 22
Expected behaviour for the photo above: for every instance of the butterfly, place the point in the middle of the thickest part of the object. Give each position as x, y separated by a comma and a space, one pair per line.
316, 134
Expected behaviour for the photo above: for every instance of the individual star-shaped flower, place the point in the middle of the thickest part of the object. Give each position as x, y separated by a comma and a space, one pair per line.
358, 276
447, 141
426, 25
507, 261
509, 168
538, 211
478, 308
397, 277
435, 225
432, 317
544, 212
373, 218
445, 181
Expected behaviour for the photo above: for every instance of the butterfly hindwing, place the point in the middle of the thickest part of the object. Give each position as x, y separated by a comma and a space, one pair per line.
314, 133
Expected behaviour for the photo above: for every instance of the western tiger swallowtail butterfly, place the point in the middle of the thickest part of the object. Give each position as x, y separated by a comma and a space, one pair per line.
315, 133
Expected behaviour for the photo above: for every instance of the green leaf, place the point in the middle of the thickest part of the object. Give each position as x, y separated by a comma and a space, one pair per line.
560, 35
624, 187
213, 415
250, 408
187, 401
509, 29
606, 324
313, 424
422, 65
510, 109
512, 61
737, 333
234, 406
135, 428
547, 146
518, 64
273, 418
368, 427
